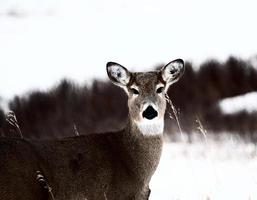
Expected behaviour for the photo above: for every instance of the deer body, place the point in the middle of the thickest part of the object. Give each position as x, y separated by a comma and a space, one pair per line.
113, 166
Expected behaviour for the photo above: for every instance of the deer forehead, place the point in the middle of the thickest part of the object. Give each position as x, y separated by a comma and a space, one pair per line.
146, 80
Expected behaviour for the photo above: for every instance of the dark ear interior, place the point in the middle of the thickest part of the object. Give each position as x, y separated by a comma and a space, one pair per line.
172, 72
118, 74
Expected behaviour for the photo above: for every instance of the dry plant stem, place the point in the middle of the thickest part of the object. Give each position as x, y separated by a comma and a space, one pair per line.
175, 112
41, 179
105, 197
75, 129
51, 195
203, 131
11, 119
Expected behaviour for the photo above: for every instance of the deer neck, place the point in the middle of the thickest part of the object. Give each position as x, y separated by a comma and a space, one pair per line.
144, 150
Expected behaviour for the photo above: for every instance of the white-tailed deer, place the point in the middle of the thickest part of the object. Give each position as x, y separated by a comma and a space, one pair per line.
112, 166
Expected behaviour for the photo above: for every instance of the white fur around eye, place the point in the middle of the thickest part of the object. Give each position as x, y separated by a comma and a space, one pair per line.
160, 87
135, 90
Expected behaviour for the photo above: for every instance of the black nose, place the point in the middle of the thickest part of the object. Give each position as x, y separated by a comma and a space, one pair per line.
150, 113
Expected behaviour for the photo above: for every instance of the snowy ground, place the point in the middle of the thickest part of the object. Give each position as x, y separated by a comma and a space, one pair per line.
242, 102
223, 169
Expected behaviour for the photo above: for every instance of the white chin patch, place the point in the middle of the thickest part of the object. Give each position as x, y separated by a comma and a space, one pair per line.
151, 127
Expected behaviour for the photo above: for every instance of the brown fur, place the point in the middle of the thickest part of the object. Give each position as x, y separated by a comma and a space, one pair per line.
113, 166
91, 167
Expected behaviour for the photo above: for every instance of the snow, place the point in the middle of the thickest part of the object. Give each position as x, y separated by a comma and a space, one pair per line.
219, 169
44, 41
247, 102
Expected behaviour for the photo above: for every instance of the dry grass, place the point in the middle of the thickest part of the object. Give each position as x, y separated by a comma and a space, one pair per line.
75, 130
175, 113
12, 120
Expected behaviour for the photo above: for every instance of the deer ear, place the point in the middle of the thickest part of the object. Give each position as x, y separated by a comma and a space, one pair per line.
118, 74
172, 72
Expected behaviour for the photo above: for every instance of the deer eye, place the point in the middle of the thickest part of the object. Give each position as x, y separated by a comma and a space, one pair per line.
160, 90
134, 91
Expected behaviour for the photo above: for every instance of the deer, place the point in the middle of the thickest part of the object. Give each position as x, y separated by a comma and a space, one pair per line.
108, 166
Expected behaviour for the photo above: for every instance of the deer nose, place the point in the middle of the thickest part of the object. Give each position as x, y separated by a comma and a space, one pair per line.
150, 113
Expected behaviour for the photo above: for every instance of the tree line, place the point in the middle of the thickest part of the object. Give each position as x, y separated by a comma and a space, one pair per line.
101, 107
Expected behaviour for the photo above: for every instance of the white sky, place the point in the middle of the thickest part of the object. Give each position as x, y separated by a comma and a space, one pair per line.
75, 38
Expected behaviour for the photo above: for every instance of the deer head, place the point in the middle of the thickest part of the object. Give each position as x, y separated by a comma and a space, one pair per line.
146, 93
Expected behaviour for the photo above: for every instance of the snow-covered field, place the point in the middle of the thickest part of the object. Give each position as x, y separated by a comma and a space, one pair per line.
219, 169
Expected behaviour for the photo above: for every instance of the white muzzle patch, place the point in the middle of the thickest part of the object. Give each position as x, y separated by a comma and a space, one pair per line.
151, 127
